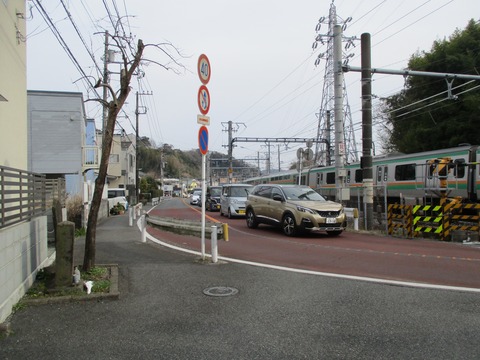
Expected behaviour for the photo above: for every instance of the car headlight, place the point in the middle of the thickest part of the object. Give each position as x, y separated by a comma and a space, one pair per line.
304, 209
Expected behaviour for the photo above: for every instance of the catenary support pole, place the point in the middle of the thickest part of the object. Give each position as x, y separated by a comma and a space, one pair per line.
367, 129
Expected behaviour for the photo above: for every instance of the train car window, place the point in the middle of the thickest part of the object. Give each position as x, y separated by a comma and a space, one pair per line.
319, 179
358, 175
405, 172
348, 177
379, 173
331, 178
385, 173
459, 169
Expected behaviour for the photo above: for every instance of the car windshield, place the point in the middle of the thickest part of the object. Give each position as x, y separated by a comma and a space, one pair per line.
239, 191
302, 193
215, 191
197, 192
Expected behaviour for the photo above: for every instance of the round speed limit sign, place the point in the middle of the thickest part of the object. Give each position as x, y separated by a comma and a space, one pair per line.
204, 70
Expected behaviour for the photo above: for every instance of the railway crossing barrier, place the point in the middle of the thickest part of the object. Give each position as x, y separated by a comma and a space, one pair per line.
439, 220
399, 217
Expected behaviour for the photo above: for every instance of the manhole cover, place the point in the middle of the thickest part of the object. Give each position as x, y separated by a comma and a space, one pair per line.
220, 291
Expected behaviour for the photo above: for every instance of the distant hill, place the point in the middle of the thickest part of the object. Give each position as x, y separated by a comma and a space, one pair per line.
185, 164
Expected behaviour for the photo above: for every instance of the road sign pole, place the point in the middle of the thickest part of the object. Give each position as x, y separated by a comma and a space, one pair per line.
204, 184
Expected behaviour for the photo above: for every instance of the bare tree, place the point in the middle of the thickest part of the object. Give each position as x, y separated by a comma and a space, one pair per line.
129, 69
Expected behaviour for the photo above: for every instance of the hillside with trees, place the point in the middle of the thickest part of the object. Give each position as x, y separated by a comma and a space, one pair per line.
178, 163
425, 116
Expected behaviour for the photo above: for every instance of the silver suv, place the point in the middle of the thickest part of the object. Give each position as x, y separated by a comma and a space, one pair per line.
294, 208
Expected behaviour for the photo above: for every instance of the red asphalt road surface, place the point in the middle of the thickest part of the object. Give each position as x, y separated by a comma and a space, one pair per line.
351, 253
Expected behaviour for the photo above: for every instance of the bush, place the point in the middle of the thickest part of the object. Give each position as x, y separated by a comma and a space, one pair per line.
74, 207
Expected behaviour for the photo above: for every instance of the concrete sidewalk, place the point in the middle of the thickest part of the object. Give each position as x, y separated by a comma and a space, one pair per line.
164, 313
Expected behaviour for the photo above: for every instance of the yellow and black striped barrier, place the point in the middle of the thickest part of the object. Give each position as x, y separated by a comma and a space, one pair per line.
400, 217
439, 220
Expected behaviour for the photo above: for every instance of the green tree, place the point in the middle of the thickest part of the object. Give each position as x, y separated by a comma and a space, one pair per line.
423, 117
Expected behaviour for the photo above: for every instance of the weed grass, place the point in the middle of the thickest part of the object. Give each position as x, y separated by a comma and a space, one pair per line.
44, 285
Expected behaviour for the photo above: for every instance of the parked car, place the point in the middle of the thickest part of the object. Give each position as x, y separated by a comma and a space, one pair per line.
116, 196
196, 197
295, 209
212, 199
232, 199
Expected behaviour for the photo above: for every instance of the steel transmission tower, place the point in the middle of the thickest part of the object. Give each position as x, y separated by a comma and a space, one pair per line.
326, 116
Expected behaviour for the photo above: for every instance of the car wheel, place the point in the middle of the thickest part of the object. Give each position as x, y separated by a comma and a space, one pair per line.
252, 222
334, 233
288, 225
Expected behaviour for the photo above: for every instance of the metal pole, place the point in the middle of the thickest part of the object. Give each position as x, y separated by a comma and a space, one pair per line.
367, 128
230, 153
328, 155
137, 113
105, 89
338, 105
203, 207
214, 244
144, 227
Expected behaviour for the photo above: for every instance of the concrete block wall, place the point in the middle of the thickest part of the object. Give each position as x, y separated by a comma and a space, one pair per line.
23, 251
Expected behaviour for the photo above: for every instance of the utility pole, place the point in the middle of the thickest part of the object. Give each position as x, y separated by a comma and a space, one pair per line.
367, 161
137, 141
327, 39
279, 167
230, 153
105, 89
230, 131
342, 191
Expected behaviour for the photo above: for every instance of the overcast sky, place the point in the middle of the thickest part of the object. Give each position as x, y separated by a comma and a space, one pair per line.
263, 76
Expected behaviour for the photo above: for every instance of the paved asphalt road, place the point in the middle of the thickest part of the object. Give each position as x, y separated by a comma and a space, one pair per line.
163, 313
359, 254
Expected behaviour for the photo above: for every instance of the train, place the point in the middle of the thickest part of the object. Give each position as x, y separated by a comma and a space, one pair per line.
421, 178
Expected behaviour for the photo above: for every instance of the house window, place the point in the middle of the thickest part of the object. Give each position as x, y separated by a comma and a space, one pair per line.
114, 159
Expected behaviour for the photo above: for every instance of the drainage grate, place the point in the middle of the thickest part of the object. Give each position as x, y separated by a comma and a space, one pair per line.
220, 291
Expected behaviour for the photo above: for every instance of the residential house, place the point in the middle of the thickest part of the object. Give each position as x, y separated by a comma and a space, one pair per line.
23, 229
61, 142
57, 129
121, 171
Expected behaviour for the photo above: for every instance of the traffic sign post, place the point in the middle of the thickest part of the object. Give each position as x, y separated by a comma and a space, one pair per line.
203, 69
203, 100
203, 140
203, 147
203, 120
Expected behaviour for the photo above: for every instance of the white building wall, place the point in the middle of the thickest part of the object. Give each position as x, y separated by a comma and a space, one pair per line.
23, 251
13, 84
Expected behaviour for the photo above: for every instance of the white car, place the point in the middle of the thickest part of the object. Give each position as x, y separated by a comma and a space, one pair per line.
196, 198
